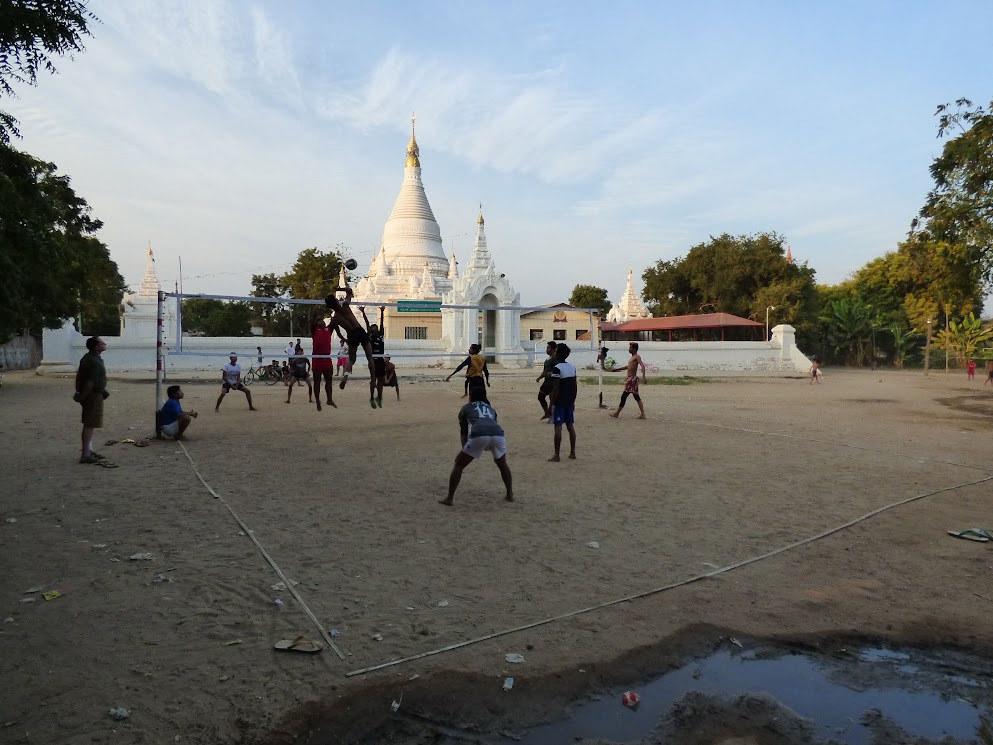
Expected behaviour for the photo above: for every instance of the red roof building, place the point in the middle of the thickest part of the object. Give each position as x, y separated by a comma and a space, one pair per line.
702, 327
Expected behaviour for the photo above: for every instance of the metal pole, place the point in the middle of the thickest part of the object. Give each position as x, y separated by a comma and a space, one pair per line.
927, 348
159, 333
947, 339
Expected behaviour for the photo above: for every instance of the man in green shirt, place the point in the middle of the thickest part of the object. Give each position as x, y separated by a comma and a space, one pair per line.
91, 390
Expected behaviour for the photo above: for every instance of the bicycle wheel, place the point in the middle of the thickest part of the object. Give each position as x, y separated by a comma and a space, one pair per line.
269, 377
249, 377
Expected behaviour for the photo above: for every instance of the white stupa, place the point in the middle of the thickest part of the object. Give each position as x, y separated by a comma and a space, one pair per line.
629, 307
139, 310
411, 265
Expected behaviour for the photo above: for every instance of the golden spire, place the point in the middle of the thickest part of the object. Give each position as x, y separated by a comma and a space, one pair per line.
479, 221
412, 150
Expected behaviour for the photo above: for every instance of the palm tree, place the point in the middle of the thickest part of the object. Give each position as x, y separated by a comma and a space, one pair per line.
965, 337
851, 328
904, 343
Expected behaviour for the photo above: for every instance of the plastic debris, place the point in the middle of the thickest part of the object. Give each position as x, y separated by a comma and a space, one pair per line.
28, 600
99, 545
593, 544
119, 713
735, 642
335, 633
9, 619
279, 586
515, 659
12, 519
408, 610
233, 642
34, 588
140, 557
51, 594
278, 601
378, 637
443, 603
224, 678
631, 699
395, 707
161, 578
508, 684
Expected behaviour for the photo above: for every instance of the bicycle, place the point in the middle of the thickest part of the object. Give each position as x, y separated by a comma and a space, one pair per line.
651, 368
265, 374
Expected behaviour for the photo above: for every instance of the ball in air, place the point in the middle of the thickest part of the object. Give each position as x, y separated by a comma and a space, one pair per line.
351, 265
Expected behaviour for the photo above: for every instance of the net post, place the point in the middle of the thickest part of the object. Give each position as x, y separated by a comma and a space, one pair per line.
159, 333
595, 339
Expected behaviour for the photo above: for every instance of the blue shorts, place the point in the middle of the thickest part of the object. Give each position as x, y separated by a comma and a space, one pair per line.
564, 415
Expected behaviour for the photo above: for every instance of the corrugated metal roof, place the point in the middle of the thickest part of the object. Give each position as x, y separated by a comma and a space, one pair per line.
666, 323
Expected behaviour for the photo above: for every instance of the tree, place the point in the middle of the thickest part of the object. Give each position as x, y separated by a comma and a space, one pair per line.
963, 338
741, 275
209, 317
32, 32
52, 266
314, 276
904, 343
959, 209
590, 296
852, 330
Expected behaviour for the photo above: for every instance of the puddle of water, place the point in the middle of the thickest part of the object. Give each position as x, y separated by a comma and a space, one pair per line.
799, 683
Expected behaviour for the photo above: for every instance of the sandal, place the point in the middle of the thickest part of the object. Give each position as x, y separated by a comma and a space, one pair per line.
300, 644
975, 534
106, 464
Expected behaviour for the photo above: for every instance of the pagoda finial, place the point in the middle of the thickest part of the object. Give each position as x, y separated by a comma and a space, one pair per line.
480, 221
413, 152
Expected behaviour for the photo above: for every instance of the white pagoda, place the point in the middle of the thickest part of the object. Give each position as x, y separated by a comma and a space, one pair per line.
629, 307
411, 265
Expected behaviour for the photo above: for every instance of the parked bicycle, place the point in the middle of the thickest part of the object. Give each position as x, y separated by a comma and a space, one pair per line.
266, 374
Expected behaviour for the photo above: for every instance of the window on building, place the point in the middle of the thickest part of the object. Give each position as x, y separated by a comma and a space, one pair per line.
415, 332
537, 334
580, 333
558, 335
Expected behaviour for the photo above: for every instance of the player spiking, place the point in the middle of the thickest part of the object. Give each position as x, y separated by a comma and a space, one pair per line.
356, 337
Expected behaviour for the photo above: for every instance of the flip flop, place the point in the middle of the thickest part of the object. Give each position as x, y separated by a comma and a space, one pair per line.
974, 534
106, 464
141, 444
110, 442
300, 644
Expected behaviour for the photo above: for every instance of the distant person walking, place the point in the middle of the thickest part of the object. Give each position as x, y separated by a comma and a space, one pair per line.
631, 382
91, 390
970, 369
815, 374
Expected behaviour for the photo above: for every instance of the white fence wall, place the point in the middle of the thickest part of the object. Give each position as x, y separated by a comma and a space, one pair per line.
63, 348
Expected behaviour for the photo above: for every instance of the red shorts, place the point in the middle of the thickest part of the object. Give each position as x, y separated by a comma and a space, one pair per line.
323, 364
631, 384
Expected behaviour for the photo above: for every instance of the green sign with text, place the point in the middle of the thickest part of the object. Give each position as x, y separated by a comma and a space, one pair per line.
418, 306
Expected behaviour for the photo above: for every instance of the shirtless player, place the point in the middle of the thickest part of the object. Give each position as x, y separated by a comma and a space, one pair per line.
631, 384
356, 337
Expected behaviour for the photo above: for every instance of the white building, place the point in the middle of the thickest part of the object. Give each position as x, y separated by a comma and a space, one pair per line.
629, 307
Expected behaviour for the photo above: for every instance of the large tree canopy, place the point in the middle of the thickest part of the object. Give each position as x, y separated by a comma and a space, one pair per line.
958, 211
51, 265
31, 33
590, 296
742, 275
314, 276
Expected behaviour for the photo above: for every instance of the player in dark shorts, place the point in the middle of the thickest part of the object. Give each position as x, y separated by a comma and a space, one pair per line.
300, 371
546, 380
378, 344
477, 373
391, 376
356, 337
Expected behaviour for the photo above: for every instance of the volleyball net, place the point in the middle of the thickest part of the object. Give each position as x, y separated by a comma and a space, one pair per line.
428, 349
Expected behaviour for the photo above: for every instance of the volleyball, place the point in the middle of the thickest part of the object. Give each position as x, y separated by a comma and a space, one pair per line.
351, 265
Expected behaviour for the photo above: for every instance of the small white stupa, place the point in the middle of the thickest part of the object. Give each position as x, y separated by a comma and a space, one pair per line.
139, 311
629, 307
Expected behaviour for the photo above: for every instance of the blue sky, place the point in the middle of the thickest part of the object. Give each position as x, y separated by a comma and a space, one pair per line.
596, 135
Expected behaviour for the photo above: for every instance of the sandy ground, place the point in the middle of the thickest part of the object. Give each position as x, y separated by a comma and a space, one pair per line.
344, 501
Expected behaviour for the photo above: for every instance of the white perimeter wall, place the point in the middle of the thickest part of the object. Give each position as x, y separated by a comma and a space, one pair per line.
63, 347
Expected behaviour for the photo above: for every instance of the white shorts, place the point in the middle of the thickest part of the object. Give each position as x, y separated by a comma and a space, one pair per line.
476, 446
171, 430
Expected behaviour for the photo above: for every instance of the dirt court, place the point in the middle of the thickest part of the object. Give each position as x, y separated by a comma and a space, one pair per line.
345, 502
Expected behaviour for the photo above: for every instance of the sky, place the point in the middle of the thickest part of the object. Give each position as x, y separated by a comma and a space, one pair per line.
231, 135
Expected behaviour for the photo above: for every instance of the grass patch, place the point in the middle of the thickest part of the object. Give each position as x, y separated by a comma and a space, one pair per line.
619, 380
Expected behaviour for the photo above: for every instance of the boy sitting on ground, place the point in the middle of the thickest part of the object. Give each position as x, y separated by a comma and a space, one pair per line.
174, 420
